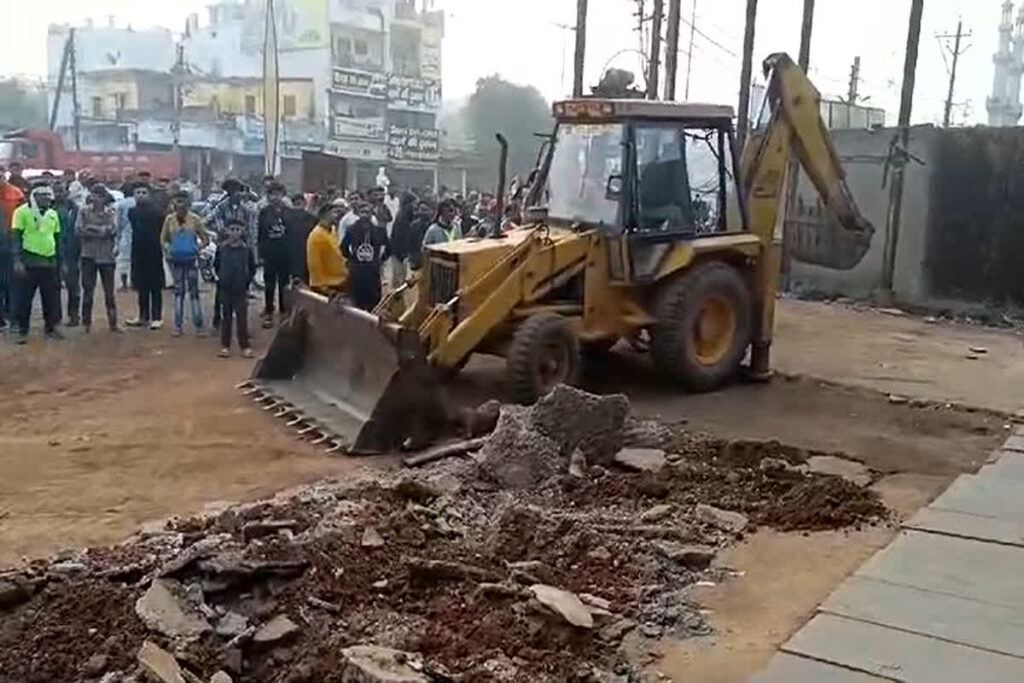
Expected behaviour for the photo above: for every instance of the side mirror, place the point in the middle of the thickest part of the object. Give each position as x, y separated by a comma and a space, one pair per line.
613, 189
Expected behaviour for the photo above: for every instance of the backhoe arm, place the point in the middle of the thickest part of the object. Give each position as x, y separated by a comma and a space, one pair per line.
796, 128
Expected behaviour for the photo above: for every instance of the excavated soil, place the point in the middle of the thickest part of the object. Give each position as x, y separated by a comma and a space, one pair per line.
436, 562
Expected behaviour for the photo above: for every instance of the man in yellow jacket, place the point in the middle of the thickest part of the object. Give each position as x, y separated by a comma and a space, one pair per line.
328, 273
36, 227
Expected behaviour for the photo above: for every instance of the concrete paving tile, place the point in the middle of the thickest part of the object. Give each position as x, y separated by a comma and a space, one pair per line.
1014, 443
978, 624
985, 495
1008, 465
787, 668
976, 570
965, 525
898, 655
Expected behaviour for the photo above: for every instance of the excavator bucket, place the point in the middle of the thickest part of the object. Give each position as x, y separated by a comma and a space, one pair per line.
347, 379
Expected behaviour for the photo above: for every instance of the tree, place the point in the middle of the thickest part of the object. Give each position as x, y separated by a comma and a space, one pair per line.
515, 111
21, 105
615, 83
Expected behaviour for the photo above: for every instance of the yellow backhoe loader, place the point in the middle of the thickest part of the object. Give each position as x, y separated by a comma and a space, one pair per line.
639, 227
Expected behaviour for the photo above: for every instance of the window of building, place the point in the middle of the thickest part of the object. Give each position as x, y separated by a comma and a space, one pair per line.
361, 48
250, 105
120, 101
97, 107
289, 105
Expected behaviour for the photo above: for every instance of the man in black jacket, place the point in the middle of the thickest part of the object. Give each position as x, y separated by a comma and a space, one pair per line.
275, 224
365, 246
401, 240
235, 267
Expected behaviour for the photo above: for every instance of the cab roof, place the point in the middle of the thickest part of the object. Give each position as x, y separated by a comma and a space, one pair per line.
599, 108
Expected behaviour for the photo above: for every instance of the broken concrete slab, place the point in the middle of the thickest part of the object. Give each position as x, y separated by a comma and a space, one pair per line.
722, 519
958, 620
565, 604
641, 459
898, 655
220, 677
371, 538
656, 513
275, 632
987, 496
160, 663
1014, 443
576, 419
787, 668
517, 455
615, 631
689, 555
377, 664
230, 625
164, 608
850, 470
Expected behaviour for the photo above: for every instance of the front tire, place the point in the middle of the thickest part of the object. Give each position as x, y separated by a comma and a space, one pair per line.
544, 353
703, 326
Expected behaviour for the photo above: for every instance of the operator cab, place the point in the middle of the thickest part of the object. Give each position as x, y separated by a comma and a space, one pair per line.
658, 171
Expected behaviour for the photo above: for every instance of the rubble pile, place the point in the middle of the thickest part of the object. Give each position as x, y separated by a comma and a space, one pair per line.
530, 561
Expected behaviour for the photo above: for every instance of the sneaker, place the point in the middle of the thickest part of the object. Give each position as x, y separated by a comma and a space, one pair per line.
116, 329
134, 322
176, 332
55, 335
73, 322
247, 353
156, 324
268, 320
225, 353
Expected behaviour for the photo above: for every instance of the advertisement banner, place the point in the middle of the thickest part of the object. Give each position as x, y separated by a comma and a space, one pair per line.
364, 129
356, 82
418, 94
414, 144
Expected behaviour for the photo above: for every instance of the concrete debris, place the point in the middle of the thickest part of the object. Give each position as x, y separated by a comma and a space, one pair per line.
371, 538
13, 593
898, 400
220, 677
163, 608
850, 470
205, 547
377, 664
656, 514
578, 464
517, 455
595, 601
230, 625
160, 664
275, 632
576, 419
980, 350
600, 553
567, 605
266, 527
723, 519
615, 631
690, 556
641, 459
446, 484
95, 665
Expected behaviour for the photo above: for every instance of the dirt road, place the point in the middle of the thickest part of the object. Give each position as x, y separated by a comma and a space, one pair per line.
101, 433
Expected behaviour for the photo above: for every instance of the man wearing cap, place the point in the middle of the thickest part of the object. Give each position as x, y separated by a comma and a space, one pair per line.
36, 229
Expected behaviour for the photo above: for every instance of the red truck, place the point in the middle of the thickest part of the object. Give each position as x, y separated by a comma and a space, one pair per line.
43, 149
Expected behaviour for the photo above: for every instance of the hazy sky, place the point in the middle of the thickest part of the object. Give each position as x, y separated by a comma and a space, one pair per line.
522, 40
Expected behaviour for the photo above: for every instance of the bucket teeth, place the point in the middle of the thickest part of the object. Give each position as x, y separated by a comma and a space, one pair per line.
273, 404
297, 420
285, 410
323, 438
247, 384
307, 430
335, 447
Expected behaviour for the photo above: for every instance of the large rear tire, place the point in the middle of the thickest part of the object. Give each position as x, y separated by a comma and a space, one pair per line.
703, 326
544, 353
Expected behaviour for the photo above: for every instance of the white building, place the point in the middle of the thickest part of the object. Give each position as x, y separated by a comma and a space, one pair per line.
1004, 108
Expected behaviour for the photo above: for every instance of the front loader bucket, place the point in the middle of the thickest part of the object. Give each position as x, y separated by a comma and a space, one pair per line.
347, 379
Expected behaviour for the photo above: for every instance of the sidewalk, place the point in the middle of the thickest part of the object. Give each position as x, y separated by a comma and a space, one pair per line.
941, 604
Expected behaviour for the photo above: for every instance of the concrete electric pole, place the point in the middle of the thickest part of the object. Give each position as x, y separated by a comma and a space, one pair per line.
581, 48
955, 52
851, 95
672, 49
743, 114
654, 65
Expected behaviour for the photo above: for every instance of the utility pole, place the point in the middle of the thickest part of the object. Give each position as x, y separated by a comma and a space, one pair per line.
672, 48
898, 155
743, 115
851, 95
689, 50
179, 79
952, 69
793, 174
74, 92
59, 93
655, 63
581, 48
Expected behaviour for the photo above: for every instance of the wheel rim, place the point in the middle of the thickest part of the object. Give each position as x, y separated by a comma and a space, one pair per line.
714, 330
553, 367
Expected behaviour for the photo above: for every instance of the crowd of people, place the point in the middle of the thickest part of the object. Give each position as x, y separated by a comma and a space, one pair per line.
65, 234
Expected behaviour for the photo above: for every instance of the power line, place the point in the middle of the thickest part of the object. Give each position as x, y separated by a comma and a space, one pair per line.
708, 38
